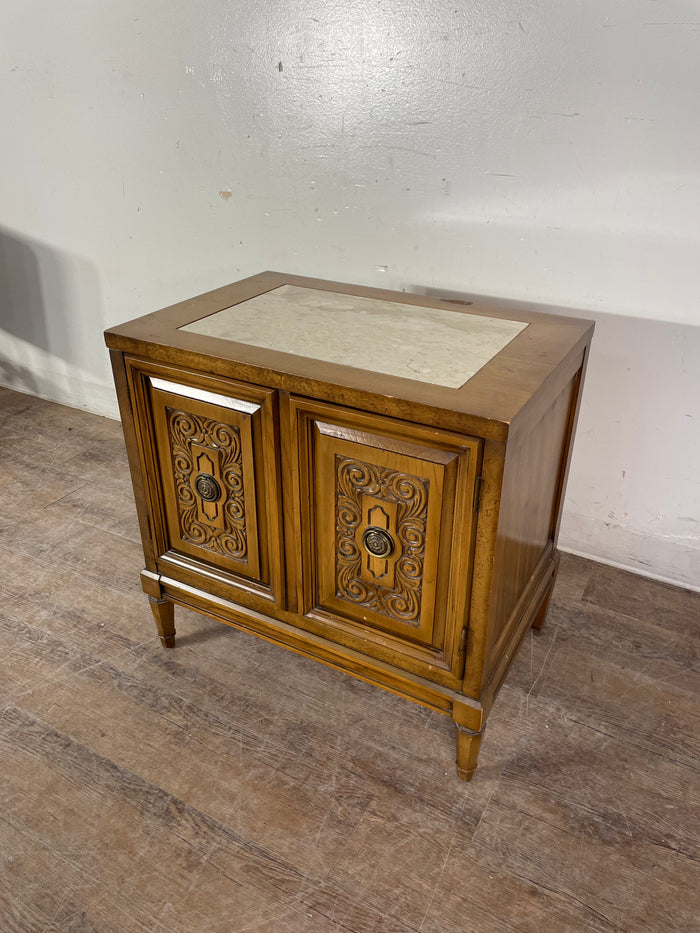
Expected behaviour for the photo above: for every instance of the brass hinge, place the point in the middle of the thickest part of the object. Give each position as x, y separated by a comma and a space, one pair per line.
477, 494
463, 640
462, 653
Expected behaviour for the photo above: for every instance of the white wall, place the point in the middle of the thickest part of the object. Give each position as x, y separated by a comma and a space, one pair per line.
544, 152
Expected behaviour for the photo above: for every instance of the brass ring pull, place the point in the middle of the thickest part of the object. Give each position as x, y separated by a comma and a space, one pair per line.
377, 542
207, 487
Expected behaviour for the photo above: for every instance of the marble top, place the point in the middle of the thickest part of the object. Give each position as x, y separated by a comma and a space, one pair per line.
431, 345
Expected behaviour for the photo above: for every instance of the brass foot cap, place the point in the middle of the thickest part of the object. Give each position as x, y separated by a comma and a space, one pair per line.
464, 774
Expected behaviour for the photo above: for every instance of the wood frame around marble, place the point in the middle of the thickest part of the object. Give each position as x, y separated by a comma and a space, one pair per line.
498, 398
521, 407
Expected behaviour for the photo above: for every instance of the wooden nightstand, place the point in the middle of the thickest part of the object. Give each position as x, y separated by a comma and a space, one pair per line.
370, 478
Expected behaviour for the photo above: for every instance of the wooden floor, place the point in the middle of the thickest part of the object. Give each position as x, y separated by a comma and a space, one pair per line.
153, 790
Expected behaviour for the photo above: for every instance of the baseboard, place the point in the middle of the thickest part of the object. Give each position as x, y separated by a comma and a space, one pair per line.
34, 371
668, 559
93, 398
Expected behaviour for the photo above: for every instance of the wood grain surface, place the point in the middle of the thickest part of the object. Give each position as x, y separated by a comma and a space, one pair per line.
501, 397
151, 791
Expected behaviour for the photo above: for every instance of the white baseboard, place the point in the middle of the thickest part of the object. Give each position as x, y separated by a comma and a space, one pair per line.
619, 566
35, 371
93, 398
669, 559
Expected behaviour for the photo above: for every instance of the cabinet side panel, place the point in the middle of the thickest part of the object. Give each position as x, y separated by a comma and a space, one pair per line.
530, 504
129, 428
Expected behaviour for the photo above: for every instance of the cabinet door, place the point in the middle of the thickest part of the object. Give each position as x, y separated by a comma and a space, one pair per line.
212, 474
386, 531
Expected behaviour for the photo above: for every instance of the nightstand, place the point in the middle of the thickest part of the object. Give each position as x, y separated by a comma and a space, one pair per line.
369, 478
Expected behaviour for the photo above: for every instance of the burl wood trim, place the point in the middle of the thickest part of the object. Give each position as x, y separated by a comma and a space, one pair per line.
486, 405
398, 587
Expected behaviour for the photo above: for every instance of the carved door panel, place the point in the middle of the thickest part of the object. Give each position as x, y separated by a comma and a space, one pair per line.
215, 465
389, 519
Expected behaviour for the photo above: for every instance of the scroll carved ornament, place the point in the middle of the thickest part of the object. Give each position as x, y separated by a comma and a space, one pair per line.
357, 484
208, 471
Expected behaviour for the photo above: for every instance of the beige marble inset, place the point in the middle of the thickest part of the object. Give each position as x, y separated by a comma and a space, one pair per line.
427, 344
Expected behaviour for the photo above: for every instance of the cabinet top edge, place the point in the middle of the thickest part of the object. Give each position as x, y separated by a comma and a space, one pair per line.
495, 392
228, 295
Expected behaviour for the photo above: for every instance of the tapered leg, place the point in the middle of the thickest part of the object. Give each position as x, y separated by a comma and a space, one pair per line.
468, 744
164, 614
541, 614
538, 621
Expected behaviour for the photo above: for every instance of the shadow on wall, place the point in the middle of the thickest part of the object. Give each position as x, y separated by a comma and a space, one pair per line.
642, 372
43, 293
476, 298
633, 496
